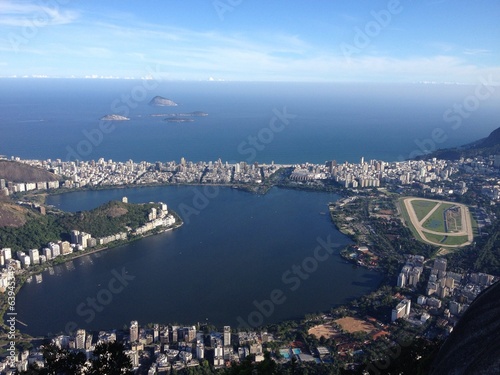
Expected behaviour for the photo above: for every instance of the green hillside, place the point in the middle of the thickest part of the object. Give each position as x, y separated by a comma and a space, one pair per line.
483, 147
37, 230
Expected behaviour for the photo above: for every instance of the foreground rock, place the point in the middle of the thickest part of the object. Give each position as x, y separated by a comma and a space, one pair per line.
473, 346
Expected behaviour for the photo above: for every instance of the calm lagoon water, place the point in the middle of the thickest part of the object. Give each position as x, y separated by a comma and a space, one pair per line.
218, 267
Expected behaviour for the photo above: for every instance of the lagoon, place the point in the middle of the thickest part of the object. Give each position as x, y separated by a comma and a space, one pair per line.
239, 259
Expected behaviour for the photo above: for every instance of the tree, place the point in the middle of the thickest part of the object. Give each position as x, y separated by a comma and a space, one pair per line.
61, 362
110, 359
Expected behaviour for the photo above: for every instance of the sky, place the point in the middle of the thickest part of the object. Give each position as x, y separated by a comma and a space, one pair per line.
253, 40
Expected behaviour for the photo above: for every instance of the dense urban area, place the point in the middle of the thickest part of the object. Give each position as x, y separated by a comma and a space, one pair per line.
425, 291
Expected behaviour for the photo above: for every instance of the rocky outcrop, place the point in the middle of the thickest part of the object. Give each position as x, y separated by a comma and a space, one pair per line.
19, 172
473, 347
114, 118
160, 101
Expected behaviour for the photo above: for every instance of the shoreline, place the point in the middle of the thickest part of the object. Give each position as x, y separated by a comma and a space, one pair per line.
251, 188
117, 244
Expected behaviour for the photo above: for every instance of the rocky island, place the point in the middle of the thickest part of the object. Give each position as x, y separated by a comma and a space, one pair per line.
187, 114
160, 101
177, 119
114, 118
194, 114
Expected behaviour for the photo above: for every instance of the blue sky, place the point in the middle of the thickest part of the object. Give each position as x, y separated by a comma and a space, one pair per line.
253, 40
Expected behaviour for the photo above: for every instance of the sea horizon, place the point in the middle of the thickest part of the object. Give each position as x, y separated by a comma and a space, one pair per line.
292, 122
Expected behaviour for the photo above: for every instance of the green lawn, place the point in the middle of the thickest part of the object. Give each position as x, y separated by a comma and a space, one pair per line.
436, 221
455, 240
434, 237
446, 240
422, 208
474, 225
407, 220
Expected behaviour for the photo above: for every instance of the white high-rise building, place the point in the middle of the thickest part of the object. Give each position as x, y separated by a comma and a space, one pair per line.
152, 214
83, 239
64, 247
25, 261
134, 357
134, 331
80, 339
47, 253
402, 310
227, 336
156, 333
200, 350
56, 250
440, 264
218, 356
7, 253
401, 280
74, 236
407, 307
34, 256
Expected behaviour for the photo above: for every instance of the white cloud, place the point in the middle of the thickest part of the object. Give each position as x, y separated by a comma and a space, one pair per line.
476, 51
90, 46
24, 14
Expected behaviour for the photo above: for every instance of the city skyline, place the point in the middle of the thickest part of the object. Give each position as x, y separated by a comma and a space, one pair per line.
382, 41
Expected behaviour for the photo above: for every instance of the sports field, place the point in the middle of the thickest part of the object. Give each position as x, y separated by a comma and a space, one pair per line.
325, 330
437, 222
351, 325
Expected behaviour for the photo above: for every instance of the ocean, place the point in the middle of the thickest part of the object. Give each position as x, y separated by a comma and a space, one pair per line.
253, 122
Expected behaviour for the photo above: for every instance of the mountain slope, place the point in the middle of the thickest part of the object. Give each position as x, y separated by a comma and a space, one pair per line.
482, 147
493, 140
12, 215
20, 172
